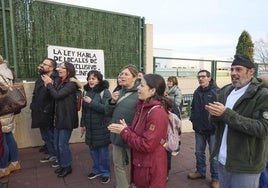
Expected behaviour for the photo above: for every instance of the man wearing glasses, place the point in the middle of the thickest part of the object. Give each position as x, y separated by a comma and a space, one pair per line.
42, 107
204, 130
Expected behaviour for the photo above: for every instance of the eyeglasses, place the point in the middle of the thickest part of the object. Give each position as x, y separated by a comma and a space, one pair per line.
201, 76
46, 65
62, 67
124, 74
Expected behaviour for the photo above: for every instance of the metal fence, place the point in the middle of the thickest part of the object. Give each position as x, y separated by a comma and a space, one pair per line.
186, 71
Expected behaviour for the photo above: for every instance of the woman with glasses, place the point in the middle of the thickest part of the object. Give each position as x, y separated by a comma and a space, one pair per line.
66, 116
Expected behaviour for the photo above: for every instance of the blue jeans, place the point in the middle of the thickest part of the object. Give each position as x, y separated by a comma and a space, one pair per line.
10, 150
201, 141
101, 161
264, 177
61, 143
237, 180
47, 134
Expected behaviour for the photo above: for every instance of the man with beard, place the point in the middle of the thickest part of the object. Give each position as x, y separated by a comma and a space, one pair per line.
42, 107
241, 118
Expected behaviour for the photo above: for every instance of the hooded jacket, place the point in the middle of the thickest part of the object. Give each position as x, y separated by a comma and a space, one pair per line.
8, 120
64, 93
199, 115
93, 115
144, 137
247, 137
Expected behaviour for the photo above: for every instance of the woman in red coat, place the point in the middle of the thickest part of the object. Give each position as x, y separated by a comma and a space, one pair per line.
147, 132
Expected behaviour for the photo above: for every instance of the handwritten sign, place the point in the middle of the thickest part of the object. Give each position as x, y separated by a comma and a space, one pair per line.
83, 60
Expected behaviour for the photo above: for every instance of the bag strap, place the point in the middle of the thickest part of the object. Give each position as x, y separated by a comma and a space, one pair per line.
5, 79
101, 94
123, 97
162, 141
155, 106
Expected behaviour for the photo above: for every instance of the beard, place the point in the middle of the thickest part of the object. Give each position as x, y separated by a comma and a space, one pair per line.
41, 71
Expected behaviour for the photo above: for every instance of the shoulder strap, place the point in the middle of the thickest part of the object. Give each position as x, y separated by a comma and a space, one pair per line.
162, 141
123, 97
101, 94
4, 79
155, 106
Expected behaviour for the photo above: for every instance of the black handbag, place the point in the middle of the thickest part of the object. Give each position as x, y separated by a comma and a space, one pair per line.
12, 97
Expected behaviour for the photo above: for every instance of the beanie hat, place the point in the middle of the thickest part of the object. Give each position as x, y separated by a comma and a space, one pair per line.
242, 61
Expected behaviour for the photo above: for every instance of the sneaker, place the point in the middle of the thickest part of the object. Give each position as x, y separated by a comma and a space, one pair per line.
105, 180
93, 175
4, 173
55, 164
48, 159
13, 168
175, 153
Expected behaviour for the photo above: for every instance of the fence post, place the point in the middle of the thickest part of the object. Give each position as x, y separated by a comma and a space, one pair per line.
214, 70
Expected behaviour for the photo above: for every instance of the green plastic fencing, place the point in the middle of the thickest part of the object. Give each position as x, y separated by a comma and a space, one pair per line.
38, 24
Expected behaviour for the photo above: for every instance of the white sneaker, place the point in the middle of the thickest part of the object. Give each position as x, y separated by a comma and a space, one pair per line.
48, 159
175, 153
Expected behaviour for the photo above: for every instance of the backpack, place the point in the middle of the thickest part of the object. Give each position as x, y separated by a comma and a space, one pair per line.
173, 140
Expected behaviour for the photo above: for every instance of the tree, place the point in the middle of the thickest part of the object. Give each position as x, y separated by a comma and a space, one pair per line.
245, 46
261, 51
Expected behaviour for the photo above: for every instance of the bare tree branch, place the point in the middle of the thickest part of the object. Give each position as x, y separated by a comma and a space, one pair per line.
261, 51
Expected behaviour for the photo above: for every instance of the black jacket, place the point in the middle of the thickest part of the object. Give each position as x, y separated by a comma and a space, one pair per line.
42, 104
64, 93
199, 115
93, 115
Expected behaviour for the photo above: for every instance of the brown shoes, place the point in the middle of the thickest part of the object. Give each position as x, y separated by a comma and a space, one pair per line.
9, 169
195, 175
13, 168
4, 173
215, 184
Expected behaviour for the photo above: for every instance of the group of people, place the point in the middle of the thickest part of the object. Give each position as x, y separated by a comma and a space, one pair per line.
54, 111
233, 121
129, 104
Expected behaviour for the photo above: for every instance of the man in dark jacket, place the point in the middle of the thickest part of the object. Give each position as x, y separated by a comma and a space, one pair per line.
42, 107
204, 130
241, 117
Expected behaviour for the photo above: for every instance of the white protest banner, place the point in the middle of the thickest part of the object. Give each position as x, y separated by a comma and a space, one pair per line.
83, 60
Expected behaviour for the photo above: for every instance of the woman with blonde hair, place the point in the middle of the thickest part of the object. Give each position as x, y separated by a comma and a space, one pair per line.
122, 105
